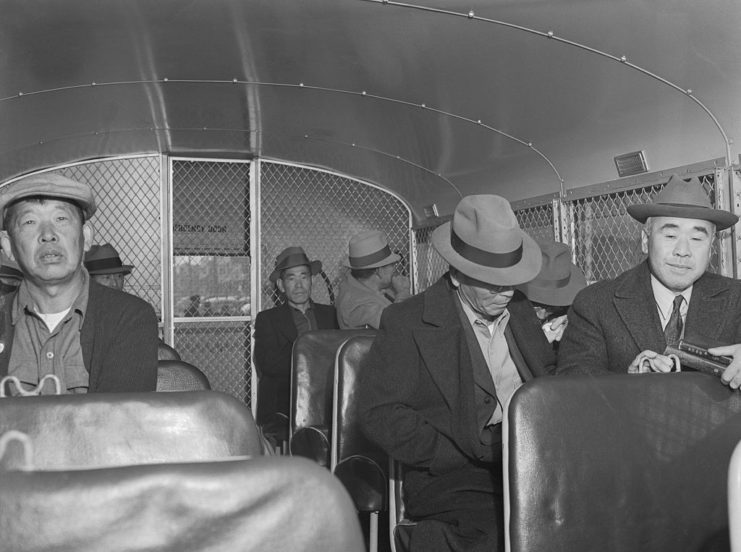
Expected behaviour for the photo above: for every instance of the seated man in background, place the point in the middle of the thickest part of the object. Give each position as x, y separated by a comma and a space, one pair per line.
275, 331
442, 369
10, 275
554, 289
93, 338
624, 325
105, 267
371, 285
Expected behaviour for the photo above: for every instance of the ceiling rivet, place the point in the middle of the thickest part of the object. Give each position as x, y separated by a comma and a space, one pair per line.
623, 59
471, 15
550, 34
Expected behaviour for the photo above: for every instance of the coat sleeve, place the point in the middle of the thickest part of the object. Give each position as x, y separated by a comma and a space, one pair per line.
129, 356
583, 348
391, 383
272, 354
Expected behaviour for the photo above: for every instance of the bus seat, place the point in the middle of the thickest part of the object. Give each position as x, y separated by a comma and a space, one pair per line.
734, 499
166, 352
178, 375
623, 462
312, 377
114, 429
250, 505
359, 463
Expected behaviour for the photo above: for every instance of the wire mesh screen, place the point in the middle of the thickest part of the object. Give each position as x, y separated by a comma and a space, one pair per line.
221, 350
607, 240
320, 212
537, 221
211, 270
127, 192
430, 265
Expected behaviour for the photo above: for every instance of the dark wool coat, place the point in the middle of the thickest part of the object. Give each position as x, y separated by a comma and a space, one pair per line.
118, 340
611, 322
275, 333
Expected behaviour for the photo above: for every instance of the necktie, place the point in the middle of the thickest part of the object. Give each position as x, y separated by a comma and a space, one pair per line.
673, 330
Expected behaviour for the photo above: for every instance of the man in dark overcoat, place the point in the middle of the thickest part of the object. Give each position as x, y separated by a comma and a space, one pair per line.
275, 331
441, 371
624, 325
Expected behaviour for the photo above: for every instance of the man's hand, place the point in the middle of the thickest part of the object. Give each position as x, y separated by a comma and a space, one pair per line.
732, 374
651, 361
554, 328
400, 285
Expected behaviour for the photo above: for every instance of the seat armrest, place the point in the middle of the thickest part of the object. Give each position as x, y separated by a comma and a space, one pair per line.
365, 481
311, 442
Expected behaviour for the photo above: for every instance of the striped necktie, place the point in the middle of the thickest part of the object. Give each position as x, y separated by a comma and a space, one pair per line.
673, 330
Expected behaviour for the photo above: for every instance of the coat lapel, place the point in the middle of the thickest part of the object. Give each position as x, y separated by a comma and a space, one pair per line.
705, 317
285, 324
635, 304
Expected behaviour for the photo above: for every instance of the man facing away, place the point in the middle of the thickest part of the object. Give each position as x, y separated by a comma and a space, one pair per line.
275, 331
624, 325
371, 284
94, 339
442, 369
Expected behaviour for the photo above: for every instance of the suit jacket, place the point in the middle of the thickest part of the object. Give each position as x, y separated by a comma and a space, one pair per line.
418, 393
118, 340
275, 333
611, 322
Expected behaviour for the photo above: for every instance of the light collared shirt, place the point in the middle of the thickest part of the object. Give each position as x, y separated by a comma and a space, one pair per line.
38, 351
493, 343
664, 298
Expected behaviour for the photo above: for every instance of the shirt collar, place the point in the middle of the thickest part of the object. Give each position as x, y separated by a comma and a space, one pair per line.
664, 298
23, 302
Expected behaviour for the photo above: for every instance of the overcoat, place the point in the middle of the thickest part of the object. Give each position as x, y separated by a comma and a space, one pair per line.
421, 401
275, 333
611, 322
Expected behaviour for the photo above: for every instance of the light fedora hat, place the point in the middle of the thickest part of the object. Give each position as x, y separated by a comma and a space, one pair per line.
559, 279
104, 259
370, 249
683, 199
290, 257
485, 242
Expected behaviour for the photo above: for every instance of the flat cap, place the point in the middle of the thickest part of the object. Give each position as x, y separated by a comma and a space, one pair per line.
49, 185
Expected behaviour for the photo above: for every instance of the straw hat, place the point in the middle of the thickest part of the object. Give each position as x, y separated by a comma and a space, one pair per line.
683, 199
559, 279
484, 241
290, 257
104, 259
370, 249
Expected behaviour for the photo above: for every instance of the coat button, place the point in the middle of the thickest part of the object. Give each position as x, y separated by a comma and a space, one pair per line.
487, 400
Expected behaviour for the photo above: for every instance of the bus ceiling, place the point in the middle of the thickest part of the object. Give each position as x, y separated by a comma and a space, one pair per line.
432, 99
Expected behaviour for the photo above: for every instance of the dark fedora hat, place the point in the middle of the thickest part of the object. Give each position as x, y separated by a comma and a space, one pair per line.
290, 257
104, 259
485, 242
559, 279
683, 199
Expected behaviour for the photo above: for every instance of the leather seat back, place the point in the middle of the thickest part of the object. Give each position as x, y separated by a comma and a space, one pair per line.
178, 375
624, 462
115, 429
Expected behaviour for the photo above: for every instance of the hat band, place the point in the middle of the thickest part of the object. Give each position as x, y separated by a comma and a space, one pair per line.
103, 264
553, 284
359, 262
484, 258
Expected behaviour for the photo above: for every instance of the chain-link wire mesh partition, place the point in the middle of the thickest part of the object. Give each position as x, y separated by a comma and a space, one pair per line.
537, 221
128, 217
606, 239
211, 270
320, 212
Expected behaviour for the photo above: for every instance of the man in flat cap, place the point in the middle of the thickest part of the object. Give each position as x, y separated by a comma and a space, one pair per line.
93, 338
624, 325
371, 285
275, 331
442, 369
105, 266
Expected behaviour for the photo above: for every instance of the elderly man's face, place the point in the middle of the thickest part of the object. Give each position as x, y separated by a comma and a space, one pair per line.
295, 283
488, 300
47, 238
115, 281
678, 249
